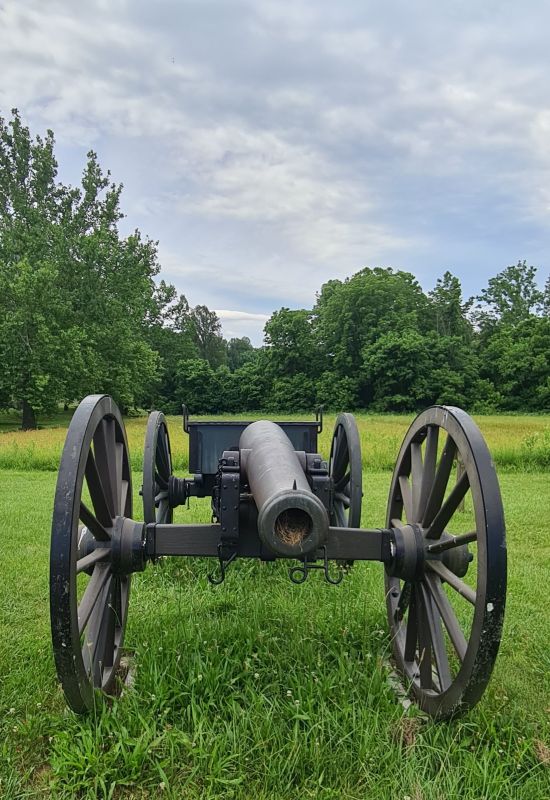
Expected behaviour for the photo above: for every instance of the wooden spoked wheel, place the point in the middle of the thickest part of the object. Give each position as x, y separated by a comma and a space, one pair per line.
157, 469
345, 469
446, 621
88, 596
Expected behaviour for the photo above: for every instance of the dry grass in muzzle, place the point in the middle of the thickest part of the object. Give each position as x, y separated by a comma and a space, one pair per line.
292, 526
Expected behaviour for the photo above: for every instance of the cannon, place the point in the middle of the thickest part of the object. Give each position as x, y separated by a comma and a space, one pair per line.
273, 496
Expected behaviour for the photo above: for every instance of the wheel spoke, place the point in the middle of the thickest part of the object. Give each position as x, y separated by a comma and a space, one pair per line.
86, 516
99, 554
458, 585
404, 600
417, 471
449, 507
95, 635
166, 451
103, 655
441, 480
447, 615
91, 594
159, 480
105, 455
340, 515
161, 458
164, 514
406, 494
453, 541
119, 450
342, 498
424, 641
97, 491
340, 485
412, 628
428, 474
341, 455
437, 640
123, 496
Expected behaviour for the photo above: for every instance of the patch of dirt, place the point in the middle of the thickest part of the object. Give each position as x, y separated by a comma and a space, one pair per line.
406, 731
542, 752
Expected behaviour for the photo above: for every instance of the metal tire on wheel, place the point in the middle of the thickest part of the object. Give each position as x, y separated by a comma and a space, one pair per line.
345, 469
88, 596
157, 469
446, 620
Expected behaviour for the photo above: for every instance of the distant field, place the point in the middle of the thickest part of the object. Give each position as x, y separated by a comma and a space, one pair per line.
517, 443
261, 689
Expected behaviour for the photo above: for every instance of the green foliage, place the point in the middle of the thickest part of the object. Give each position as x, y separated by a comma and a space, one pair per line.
197, 385
335, 393
252, 385
80, 312
208, 337
292, 393
290, 343
265, 690
239, 352
516, 360
74, 295
512, 295
352, 315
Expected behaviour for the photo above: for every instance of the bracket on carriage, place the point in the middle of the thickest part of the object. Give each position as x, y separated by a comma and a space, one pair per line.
223, 564
301, 574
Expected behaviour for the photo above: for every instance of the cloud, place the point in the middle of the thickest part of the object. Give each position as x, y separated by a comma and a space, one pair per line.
224, 314
271, 145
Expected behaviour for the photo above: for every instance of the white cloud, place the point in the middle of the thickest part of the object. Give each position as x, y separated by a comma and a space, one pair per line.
273, 145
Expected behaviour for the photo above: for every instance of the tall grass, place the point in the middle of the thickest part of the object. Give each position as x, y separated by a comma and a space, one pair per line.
262, 689
517, 443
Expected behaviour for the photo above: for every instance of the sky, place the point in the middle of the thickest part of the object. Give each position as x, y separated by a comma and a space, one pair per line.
271, 145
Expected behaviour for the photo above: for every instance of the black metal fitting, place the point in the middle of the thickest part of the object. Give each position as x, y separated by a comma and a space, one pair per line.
178, 491
128, 546
407, 545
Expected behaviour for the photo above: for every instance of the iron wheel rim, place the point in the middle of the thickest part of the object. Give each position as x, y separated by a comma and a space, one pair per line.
422, 614
157, 471
345, 469
88, 635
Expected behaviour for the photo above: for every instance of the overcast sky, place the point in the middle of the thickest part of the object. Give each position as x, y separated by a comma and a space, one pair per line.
273, 145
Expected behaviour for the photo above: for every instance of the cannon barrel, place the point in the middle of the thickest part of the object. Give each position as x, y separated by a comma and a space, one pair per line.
292, 521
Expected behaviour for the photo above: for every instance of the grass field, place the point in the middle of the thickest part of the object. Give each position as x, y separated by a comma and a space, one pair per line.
261, 689
517, 442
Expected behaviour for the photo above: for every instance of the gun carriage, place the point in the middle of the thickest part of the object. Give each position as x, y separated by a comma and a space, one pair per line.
274, 496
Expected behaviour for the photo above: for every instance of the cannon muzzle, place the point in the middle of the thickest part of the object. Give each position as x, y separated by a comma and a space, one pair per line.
292, 521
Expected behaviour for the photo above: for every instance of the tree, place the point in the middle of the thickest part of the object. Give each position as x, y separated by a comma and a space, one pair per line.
448, 309
335, 393
516, 361
355, 313
396, 369
197, 386
511, 296
84, 293
36, 342
208, 338
239, 352
290, 344
292, 393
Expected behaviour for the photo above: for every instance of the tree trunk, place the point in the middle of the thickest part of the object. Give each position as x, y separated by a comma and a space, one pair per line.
29, 417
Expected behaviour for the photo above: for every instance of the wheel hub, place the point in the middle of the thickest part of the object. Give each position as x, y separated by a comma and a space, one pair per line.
411, 550
127, 546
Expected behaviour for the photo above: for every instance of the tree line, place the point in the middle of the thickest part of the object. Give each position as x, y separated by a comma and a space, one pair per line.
82, 310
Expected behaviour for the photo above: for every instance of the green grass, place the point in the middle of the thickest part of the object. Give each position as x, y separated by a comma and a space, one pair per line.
261, 689
518, 443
